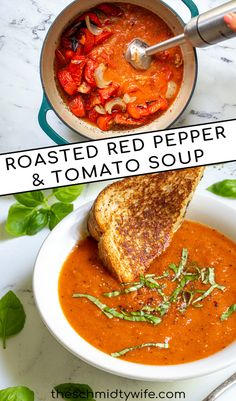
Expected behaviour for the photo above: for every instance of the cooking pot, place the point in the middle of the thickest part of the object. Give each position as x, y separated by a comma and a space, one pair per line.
52, 99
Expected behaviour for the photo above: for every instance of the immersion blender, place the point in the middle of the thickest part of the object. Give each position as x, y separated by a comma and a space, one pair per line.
204, 30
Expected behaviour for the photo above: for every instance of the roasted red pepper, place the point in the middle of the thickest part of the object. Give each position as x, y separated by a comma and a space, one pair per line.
87, 39
77, 106
69, 43
78, 53
110, 10
138, 111
71, 30
93, 100
105, 122
69, 54
135, 110
123, 119
102, 37
111, 90
90, 68
76, 69
66, 43
66, 81
93, 115
61, 58
93, 18
160, 104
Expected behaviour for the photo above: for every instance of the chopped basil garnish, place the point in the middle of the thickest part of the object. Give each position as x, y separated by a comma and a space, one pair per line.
126, 350
148, 281
161, 308
208, 275
208, 292
182, 284
173, 267
183, 294
228, 312
134, 287
182, 264
138, 316
198, 305
96, 302
204, 276
211, 275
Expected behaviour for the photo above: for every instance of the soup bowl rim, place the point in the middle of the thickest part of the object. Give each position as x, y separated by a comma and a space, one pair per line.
45, 288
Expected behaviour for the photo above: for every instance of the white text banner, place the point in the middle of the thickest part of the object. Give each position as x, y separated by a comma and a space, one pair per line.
118, 157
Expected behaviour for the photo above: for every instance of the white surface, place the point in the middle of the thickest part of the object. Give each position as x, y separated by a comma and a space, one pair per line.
23, 28
34, 357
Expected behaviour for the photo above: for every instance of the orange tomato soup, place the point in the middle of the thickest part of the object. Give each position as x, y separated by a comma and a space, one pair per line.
194, 334
166, 66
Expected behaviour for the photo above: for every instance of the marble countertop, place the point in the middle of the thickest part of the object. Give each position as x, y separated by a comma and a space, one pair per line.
23, 27
34, 358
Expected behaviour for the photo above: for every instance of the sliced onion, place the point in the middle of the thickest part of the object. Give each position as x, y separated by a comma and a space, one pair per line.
84, 88
100, 109
92, 28
127, 99
171, 89
98, 75
115, 102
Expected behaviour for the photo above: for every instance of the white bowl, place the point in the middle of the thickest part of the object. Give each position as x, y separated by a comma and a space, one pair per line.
203, 208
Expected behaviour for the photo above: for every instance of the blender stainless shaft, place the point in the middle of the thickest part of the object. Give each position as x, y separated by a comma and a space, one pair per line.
210, 28
204, 30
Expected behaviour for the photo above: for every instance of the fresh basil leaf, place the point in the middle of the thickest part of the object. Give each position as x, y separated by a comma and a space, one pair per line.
19, 393
37, 221
75, 392
225, 188
12, 316
182, 264
68, 194
57, 212
30, 199
125, 350
18, 219
138, 316
228, 312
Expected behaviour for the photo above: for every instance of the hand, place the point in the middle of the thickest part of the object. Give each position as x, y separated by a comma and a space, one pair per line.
230, 20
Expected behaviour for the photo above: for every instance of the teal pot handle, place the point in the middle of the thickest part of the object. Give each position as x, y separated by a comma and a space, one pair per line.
192, 7
42, 119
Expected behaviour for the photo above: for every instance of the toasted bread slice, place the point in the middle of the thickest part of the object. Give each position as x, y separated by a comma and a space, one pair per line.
134, 219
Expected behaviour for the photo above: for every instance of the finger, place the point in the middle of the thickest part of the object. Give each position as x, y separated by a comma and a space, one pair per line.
230, 20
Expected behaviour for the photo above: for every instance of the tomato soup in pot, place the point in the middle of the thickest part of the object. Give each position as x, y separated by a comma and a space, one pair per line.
97, 82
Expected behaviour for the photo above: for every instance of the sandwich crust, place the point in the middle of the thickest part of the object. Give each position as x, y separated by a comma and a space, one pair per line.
134, 219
